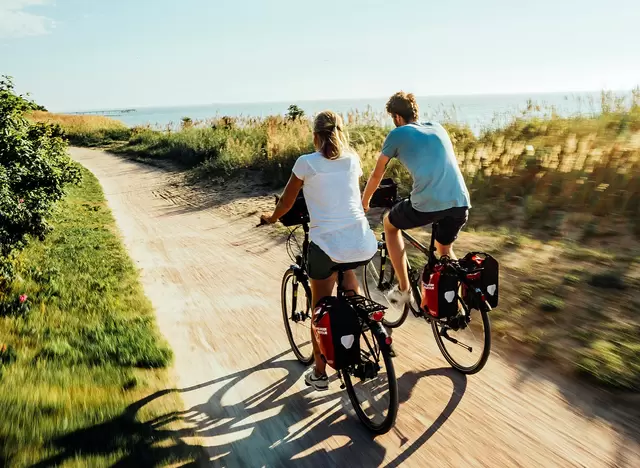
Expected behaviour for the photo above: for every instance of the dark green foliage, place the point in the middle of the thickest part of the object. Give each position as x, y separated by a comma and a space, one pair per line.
608, 280
294, 112
34, 172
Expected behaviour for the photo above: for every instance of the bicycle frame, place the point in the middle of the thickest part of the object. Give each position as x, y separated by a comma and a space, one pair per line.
300, 271
428, 251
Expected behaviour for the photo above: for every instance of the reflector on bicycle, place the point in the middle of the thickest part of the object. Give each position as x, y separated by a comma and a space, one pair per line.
337, 331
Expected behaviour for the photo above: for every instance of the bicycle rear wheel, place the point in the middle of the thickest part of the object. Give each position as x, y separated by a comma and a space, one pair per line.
297, 315
465, 346
375, 399
376, 290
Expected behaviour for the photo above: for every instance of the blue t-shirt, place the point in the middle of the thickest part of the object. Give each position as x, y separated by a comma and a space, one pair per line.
427, 152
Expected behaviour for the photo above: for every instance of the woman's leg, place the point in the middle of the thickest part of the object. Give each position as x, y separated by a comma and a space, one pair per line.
320, 289
350, 281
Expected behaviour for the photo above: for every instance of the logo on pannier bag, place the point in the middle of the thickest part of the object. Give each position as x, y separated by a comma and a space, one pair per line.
347, 341
450, 296
491, 289
321, 331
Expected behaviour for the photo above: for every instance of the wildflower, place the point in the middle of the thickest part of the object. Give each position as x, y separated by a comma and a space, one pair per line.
23, 298
21, 200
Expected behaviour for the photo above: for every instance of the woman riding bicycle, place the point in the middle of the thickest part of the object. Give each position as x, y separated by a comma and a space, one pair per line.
339, 230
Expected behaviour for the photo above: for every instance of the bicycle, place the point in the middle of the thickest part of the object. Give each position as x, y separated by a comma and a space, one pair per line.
375, 341
379, 277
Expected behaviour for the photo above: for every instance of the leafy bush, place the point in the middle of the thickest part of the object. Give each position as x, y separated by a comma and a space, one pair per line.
294, 112
34, 171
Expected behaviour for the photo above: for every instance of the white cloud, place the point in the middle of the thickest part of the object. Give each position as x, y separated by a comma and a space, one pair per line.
15, 22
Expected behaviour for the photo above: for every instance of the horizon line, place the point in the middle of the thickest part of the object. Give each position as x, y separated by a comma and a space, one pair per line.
296, 101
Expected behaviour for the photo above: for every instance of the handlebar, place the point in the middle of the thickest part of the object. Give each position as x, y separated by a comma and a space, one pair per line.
262, 222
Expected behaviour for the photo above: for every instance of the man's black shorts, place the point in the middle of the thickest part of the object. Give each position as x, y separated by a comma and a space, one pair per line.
449, 222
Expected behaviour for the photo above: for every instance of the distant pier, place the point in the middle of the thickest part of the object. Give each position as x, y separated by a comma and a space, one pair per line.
111, 113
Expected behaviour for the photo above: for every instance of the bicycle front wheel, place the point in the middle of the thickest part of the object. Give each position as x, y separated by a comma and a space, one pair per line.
377, 282
374, 399
297, 315
467, 347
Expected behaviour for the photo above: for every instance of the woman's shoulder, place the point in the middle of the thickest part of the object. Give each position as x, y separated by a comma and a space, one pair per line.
309, 156
350, 153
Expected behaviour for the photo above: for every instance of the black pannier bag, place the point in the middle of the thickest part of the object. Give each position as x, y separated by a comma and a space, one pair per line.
486, 278
298, 213
337, 330
386, 195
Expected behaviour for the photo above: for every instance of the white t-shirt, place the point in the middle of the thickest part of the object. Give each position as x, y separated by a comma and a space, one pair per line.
332, 192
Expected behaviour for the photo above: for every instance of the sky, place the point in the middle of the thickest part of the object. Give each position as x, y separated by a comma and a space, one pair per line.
97, 54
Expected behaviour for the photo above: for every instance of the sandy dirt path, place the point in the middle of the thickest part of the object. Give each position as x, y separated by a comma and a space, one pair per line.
214, 281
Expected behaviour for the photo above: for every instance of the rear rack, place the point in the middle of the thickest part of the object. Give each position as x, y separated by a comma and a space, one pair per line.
363, 304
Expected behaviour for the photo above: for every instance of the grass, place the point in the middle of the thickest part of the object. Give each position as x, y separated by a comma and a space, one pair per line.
84, 350
532, 169
86, 130
551, 304
613, 361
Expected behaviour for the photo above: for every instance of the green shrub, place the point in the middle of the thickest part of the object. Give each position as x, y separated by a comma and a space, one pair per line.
34, 171
7, 354
294, 112
614, 364
551, 304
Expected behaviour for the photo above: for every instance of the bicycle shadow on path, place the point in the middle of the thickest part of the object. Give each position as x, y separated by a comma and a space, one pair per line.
275, 426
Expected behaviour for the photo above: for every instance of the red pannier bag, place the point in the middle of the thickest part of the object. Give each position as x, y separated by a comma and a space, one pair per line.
440, 291
337, 330
487, 279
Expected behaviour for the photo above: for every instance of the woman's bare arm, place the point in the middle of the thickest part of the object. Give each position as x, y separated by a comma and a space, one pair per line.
286, 201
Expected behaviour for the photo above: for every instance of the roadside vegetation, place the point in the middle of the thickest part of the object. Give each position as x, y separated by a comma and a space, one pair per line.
557, 199
78, 343
85, 130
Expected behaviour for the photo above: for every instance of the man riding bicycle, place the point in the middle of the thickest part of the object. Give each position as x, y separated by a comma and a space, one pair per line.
439, 193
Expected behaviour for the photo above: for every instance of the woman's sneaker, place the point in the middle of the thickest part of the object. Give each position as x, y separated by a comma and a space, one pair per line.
319, 383
397, 297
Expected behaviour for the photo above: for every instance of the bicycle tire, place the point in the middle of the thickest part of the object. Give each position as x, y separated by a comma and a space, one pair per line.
486, 350
286, 279
388, 422
370, 275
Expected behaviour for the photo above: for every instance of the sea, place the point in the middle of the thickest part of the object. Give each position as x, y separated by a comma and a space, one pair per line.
479, 112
